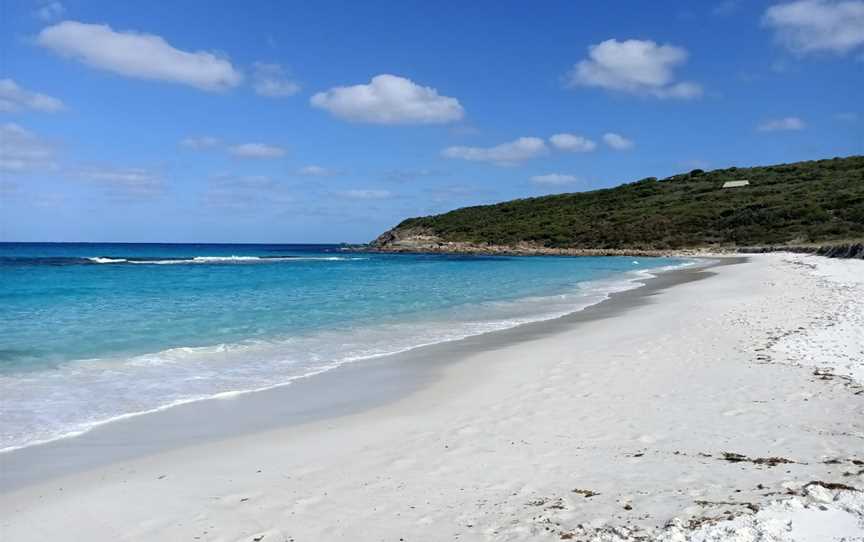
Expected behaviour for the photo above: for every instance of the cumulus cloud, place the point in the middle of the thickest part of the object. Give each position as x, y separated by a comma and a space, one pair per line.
572, 143
617, 141
785, 124
257, 150
506, 154
635, 66
554, 179
315, 171
142, 56
50, 11
271, 80
389, 99
23, 151
365, 194
200, 143
14, 98
807, 26
125, 183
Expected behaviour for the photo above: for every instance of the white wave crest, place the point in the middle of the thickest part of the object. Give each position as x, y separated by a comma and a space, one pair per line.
130, 386
241, 259
108, 260
225, 259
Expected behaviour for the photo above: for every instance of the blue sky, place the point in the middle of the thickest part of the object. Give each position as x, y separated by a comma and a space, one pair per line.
328, 122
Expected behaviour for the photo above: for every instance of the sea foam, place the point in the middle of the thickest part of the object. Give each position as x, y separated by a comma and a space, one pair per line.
42, 407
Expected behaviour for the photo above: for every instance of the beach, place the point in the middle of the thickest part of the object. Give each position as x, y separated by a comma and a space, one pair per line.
719, 403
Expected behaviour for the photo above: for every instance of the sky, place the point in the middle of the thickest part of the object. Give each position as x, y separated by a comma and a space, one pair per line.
293, 122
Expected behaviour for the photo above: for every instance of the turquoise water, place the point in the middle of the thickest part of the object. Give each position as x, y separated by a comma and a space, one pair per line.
93, 332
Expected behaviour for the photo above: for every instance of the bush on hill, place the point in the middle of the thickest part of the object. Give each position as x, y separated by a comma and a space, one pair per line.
804, 202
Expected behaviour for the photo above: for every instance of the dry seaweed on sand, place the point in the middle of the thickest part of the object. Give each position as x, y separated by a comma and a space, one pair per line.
769, 461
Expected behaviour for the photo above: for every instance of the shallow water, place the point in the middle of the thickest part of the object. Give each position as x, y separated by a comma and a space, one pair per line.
97, 332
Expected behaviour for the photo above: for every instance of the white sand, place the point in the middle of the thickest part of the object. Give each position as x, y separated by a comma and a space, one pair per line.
834, 341
638, 408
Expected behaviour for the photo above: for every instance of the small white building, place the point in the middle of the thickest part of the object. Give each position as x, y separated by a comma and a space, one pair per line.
736, 184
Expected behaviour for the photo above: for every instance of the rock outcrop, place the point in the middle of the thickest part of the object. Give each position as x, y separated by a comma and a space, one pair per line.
420, 240
416, 240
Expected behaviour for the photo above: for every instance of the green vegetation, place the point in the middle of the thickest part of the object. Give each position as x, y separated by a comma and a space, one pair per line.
804, 202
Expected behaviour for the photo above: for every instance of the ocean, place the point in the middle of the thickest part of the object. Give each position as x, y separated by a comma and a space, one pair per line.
91, 333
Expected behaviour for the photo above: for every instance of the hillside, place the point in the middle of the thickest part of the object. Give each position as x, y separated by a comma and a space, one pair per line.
788, 204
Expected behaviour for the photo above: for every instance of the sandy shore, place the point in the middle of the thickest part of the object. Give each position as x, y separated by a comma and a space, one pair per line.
705, 414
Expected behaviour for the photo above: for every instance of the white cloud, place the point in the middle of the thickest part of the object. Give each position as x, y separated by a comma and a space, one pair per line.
365, 194
50, 11
143, 56
635, 66
806, 26
271, 80
554, 179
617, 141
256, 150
200, 143
315, 171
389, 99
573, 143
125, 183
123, 176
14, 98
781, 125
22, 151
242, 150
506, 154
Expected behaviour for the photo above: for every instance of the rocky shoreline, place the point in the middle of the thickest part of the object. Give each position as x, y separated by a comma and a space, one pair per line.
424, 242
531, 250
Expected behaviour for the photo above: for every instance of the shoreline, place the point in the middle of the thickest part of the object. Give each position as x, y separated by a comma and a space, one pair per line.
690, 408
300, 401
433, 245
370, 339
